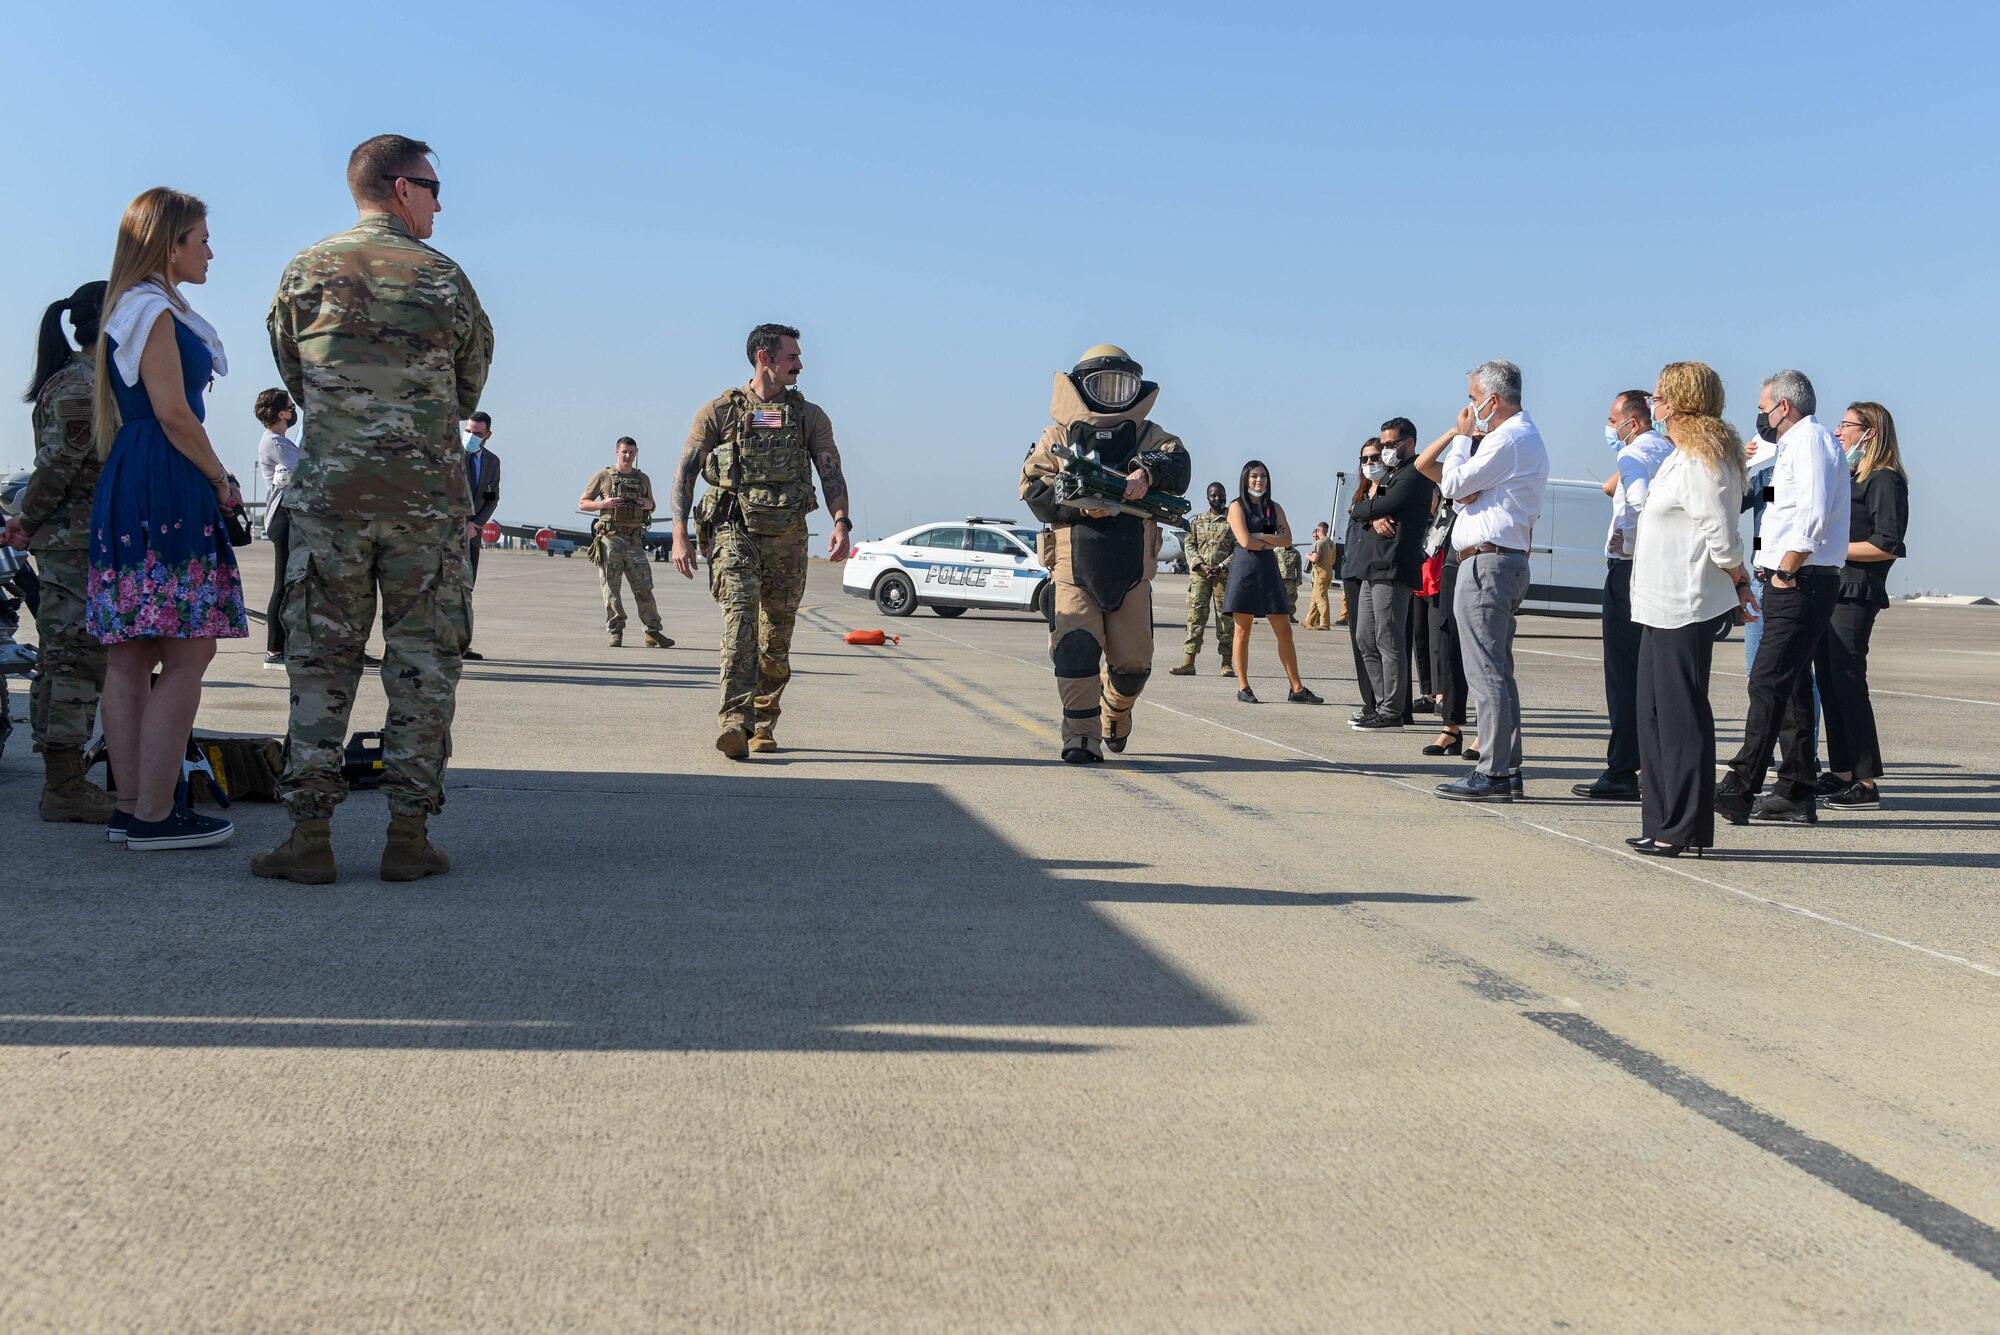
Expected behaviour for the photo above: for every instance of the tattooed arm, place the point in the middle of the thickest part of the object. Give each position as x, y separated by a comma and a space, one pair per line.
703, 436
832, 482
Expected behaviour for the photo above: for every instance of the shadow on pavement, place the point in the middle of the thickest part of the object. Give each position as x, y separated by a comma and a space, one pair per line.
615, 911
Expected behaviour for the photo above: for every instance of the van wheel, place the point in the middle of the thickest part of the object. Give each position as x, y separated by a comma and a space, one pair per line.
949, 611
1722, 631
895, 596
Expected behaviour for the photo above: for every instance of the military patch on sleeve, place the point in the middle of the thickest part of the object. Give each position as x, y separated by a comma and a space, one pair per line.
76, 432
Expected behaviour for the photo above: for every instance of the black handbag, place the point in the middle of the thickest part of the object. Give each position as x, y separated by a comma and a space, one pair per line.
237, 519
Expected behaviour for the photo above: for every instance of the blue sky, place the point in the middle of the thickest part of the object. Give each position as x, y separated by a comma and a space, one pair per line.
1302, 219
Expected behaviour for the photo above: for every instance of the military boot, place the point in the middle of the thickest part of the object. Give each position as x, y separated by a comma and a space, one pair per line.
655, 640
410, 855
731, 742
67, 795
1228, 668
764, 739
1186, 669
617, 639
305, 858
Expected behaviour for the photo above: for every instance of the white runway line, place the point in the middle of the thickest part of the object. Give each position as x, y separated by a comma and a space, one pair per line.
1872, 690
1652, 864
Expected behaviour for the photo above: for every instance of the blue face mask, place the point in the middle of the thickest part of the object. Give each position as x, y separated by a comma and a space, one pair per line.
1854, 455
1611, 438
472, 443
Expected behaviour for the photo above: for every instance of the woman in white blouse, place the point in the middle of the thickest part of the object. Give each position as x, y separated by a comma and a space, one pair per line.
1687, 578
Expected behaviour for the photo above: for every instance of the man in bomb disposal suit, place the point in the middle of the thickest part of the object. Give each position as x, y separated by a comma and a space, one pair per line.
1208, 546
1101, 636
622, 498
756, 447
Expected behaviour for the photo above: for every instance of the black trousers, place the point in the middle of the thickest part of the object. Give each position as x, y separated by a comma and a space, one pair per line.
1621, 677
1676, 733
472, 559
1781, 687
1351, 591
278, 528
1842, 668
1419, 654
1447, 668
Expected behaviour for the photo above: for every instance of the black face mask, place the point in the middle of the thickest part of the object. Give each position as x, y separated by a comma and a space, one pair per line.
1764, 432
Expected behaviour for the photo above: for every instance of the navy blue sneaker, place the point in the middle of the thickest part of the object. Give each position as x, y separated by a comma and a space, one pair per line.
114, 829
1477, 787
182, 828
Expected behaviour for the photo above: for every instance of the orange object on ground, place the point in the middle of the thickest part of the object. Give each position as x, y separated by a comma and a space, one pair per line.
871, 637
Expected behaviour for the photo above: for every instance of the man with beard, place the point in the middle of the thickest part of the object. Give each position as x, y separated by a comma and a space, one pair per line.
1101, 636
1207, 547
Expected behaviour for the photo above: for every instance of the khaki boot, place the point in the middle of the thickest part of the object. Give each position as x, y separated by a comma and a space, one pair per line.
765, 738
1186, 669
306, 857
67, 795
655, 640
617, 639
731, 742
410, 855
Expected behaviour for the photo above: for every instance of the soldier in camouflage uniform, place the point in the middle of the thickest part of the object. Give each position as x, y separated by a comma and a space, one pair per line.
1207, 547
622, 498
381, 340
55, 519
755, 447
1289, 573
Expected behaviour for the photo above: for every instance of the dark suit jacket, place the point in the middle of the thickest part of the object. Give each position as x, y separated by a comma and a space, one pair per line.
482, 475
1407, 500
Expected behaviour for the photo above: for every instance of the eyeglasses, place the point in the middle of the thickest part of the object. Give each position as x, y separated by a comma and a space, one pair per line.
1852, 426
424, 181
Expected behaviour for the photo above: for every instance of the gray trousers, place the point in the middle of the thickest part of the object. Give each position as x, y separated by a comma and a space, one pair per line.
1382, 632
1490, 586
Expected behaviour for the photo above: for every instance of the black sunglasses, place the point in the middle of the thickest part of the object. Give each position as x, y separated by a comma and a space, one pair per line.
424, 181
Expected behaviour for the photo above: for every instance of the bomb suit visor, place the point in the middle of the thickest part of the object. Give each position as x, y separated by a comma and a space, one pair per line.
1108, 378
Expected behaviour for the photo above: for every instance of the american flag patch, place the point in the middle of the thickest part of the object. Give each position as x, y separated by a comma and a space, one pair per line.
766, 419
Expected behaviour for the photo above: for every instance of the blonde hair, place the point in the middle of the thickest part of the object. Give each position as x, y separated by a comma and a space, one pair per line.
154, 223
1694, 393
1881, 450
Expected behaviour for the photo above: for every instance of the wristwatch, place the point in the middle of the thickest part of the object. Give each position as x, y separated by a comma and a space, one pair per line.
843, 519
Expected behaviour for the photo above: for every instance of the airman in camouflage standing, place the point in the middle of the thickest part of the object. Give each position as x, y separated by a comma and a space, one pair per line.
756, 447
382, 341
1290, 573
622, 498
1207, 547
54, 521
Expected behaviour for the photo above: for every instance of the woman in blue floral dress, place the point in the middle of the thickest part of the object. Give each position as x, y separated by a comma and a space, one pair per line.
163, 580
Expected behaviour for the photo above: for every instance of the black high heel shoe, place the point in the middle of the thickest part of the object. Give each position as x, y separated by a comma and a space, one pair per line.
1654, 849
1456, 746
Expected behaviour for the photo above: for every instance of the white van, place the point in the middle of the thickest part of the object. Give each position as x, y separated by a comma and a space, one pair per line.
1566, 562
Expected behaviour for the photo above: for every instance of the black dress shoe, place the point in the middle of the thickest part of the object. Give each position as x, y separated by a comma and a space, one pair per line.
473, 656
1452, 745
1477, 787
1636, 840
1600, 791
1732, 801
1653, 848
1774, 810
1472, 754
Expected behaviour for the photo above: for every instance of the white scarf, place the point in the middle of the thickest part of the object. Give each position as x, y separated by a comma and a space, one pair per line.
133, 318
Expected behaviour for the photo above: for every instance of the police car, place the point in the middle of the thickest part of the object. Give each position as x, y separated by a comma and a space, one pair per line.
948, 568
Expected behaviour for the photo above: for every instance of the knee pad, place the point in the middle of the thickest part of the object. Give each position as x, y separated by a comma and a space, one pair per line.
1077, 654
1129, 683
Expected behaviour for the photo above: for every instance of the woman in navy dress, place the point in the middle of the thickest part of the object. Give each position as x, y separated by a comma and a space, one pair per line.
163, 580
1255, 588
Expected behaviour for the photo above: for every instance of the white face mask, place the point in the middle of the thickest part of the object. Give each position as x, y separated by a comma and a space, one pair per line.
1373, 472
1391, 457
1256, 492
1482, 424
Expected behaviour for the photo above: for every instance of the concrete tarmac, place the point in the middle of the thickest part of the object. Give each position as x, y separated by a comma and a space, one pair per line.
910, 1027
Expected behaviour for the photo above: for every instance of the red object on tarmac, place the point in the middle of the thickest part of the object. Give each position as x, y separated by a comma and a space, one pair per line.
490, 534
871, 637
543, 536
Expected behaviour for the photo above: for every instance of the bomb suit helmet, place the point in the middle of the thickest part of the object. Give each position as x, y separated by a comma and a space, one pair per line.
1107, 377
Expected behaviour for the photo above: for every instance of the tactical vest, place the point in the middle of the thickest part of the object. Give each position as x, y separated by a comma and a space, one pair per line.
628, 489
761, 463
1108, 555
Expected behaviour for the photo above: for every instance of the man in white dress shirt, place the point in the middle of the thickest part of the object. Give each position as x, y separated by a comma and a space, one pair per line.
1628, 429
1493, 465
1804, 545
